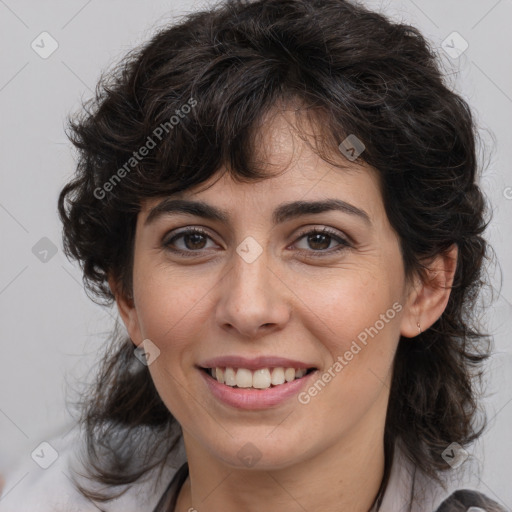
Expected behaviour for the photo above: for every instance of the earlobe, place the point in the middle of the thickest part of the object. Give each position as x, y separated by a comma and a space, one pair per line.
429, 296
127, 311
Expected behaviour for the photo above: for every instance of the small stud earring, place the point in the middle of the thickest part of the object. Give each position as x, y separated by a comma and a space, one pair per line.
419, 327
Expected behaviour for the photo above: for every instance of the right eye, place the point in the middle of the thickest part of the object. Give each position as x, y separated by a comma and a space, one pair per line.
193, 241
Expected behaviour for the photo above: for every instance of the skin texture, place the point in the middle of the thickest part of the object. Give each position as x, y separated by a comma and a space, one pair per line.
327, 454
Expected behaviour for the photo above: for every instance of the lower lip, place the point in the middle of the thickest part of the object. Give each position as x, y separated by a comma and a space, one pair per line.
254, 399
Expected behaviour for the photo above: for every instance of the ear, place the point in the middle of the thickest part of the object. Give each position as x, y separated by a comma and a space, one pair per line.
428, 297
127, 311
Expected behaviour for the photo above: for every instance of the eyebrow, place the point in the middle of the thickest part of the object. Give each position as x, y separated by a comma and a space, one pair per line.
282, 213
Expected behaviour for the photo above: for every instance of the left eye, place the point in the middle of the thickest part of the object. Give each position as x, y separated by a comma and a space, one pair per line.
320, 240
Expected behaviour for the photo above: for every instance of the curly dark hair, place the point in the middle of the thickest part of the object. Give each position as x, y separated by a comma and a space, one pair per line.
198, 91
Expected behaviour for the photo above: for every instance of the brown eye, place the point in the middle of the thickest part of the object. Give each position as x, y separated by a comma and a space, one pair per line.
320, 240
194, 241
191, 240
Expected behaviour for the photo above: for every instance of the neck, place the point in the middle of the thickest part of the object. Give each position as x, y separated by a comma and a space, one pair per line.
345, 476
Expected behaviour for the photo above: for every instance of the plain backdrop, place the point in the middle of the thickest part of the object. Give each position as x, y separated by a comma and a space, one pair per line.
51, 332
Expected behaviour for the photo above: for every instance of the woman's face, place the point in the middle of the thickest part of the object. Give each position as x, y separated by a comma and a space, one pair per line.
257, 283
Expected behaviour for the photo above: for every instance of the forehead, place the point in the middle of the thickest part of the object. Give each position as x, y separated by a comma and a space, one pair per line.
295, 171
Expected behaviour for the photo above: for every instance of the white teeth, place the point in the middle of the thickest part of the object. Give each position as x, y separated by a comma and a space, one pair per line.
230, 377
219, 375
277, 376
289, 374
300, 373
262, 378
243, 378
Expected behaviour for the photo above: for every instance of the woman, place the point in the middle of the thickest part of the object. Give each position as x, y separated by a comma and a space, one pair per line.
281, 197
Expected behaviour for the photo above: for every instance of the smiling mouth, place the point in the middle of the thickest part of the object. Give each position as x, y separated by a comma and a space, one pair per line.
263, 378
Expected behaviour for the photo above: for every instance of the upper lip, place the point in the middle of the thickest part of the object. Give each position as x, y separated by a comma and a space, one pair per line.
254, 363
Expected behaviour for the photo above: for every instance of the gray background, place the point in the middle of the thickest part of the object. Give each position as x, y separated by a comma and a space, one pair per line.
51, 332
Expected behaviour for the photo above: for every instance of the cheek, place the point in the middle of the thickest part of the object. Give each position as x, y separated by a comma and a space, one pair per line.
168, 305
358, 332
171, 310
355, 317
342, 307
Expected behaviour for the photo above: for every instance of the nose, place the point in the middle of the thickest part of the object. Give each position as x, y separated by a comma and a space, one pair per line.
253, 300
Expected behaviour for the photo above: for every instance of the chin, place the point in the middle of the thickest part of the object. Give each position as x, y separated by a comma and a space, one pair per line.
261, 452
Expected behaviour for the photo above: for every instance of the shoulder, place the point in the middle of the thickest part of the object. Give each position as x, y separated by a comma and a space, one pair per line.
410, 489
461, 499
30, 487
40, 481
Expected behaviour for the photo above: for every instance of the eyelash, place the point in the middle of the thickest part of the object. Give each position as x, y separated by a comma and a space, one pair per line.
344, 244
